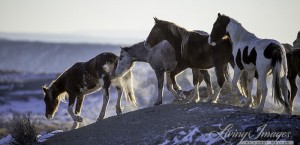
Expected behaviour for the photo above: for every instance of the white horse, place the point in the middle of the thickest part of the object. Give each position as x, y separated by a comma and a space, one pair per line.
254, 54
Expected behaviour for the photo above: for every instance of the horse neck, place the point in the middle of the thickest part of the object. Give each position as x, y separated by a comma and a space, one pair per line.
178, 38
239, 34
139, 52
58, 86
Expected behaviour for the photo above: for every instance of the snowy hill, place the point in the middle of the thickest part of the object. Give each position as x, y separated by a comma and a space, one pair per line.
201, 123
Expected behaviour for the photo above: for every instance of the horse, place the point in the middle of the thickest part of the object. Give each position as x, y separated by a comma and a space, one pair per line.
192, 50
84, 78
254, 54
296, 43
293, 63
161, 59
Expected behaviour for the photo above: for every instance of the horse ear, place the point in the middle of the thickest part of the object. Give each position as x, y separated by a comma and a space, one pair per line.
155, 19
299, 34
121, 47
44, 88
219, 15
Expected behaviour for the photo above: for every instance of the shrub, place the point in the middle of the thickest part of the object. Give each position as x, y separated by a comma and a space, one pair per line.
23, 129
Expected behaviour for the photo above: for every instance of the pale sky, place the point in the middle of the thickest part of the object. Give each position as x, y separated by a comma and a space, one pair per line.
277, 19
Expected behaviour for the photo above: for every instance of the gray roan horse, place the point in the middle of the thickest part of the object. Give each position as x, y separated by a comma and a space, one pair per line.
162, 59
84, 78
192, 50
254, 54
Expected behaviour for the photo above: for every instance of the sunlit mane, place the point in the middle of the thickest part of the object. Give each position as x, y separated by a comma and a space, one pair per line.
238, 33
53, 85
183, 33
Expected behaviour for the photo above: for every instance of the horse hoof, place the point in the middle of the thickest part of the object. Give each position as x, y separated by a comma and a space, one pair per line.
78, 119
181, 95
258, 109
119, 110
157, 103
194, 100
214, 101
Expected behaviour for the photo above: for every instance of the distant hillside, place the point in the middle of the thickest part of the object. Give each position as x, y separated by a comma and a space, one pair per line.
46, 57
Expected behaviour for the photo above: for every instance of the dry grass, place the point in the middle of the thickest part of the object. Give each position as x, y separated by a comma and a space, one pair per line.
23, 129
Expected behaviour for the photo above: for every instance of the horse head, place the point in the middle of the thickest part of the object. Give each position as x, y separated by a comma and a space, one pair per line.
156, 34
50, 101
124, 63
219, 29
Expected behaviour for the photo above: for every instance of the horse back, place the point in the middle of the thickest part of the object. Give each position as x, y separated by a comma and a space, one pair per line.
96, 66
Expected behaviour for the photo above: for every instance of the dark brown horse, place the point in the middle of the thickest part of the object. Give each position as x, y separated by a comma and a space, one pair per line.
192, 50
84, 78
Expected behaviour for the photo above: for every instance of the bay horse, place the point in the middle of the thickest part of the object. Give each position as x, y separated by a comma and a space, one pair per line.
192, 50
84, 78
254, 54
161, 59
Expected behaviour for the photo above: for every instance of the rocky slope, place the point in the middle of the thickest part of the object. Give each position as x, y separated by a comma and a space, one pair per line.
195, 123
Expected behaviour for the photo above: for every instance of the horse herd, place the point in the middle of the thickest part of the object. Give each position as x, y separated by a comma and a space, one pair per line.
171, 49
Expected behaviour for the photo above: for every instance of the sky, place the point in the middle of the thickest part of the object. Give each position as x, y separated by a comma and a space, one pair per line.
132, 20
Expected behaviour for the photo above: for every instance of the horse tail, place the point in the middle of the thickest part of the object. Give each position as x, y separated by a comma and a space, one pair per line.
127, 88
278, 63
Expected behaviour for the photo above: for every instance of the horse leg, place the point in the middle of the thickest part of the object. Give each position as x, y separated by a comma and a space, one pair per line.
250, 77
263, 88
170, 85
285, 93
258, 93
126, 85
206, 77
294, 89
177, 88
160, 84
72, 99
79, 103
221, 81
197, 77
105, 92
119, 109
236, 76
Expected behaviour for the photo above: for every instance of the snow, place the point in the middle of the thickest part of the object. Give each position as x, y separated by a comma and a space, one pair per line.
193, 136
6, 140
42, 138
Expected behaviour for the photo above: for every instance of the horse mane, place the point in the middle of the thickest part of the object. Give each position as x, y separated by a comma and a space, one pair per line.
240, 30
180, 32
54, 86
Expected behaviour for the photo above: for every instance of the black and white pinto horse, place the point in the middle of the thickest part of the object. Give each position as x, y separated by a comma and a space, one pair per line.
162, 60
192, 50
254, 54
293, 63
84, 78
